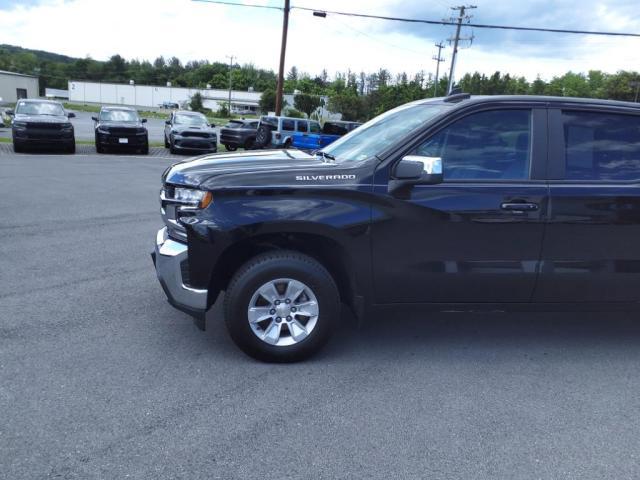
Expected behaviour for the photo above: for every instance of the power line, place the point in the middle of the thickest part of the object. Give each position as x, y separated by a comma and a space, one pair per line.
431, 22
476, 25
253, 5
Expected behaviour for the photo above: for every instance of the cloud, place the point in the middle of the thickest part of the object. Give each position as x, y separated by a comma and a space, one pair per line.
146, 29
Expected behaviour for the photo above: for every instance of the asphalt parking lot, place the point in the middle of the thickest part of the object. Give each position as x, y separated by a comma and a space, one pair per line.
101, 379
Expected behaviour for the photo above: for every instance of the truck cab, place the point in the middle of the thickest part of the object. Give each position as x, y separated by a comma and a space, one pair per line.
459, 203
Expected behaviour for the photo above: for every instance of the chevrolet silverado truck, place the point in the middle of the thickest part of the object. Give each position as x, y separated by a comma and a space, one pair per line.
458, 203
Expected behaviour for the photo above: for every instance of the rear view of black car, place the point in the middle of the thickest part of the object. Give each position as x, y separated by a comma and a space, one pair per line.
42, 124
120, 128
187, 131
239, 133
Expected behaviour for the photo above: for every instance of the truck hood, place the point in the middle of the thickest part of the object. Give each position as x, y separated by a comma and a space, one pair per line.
193, 128
261, 168
41, 118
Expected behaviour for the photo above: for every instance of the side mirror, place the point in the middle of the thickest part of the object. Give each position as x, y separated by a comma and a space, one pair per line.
95, 119
144, 120
213, 125
415, 170
71, 115
11, 113
167, 122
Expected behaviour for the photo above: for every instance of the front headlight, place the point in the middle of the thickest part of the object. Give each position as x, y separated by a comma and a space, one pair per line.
190, 196
18, 124
103, 130
67, 126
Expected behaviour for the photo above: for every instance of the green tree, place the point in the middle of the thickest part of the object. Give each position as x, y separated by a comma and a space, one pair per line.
267, 101
307, 103
195, 103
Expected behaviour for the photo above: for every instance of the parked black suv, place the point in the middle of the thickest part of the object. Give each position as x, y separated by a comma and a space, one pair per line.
449, 204
239, 133
120, 128
187, 131
43, 124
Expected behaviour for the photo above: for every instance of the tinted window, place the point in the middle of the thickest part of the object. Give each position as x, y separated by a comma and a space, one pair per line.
487, 145
118, 116
273, 121
601, 146
234, 124
190, 119
288, 125
302, 126
39, 108
335, 128
253, 124
314, 127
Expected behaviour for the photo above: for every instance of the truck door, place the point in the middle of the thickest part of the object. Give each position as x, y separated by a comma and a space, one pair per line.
591, 250
476, 237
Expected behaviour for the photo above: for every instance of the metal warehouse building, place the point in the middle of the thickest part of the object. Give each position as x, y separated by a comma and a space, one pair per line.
155, 96
17, 85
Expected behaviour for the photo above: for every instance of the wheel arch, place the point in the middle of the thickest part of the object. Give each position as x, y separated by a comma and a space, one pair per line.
326, 250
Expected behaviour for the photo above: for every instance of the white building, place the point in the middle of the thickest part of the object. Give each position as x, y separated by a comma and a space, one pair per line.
14, 86
154, 96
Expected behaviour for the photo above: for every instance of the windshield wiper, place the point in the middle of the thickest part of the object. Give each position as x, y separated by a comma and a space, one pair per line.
326, 155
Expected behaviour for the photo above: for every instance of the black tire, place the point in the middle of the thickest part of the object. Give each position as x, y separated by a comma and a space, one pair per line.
248, 144
99, 148
18, 147
172, 149
287, 143
263, 269
230, 148
145, 149
166, 142
263, 136
71, 148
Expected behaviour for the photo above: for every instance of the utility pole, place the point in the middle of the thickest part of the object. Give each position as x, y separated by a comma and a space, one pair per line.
635, 84
230, 57
461, 11
438, 60
283, 48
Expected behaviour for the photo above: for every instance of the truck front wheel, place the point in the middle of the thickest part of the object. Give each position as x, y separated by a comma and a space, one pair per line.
281, 306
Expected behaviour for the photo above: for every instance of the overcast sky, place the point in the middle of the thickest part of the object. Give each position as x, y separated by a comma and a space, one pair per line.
190, 30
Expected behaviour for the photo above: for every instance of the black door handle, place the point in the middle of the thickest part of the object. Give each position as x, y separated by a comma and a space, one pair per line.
520, 207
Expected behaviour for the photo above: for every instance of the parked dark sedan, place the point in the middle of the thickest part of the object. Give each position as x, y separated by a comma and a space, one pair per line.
239, 133
41, 123
120, 128
190, 132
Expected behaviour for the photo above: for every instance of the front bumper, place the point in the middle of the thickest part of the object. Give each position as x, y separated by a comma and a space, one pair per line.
170, 259
201, 144
113, 141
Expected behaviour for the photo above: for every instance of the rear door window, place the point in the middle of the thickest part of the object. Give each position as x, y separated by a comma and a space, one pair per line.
288, 125
314, 127
302, 126
601, 146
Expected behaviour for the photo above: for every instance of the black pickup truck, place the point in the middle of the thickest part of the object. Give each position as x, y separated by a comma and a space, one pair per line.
457, 203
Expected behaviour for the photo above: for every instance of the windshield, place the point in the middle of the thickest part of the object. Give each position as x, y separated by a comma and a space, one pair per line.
377, 134
118, 116
190, 119
39, 108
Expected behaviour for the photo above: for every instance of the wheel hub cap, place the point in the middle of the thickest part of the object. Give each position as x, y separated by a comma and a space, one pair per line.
283, 312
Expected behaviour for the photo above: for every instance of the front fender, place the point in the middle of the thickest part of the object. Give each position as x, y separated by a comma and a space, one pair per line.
342, 216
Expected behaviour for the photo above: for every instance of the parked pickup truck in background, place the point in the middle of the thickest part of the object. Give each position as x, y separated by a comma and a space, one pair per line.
331, 131
457, 203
